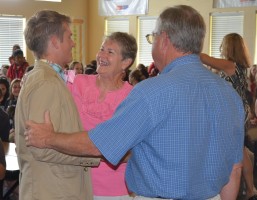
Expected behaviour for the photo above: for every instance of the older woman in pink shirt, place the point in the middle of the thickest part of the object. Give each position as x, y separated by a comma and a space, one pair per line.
97, 97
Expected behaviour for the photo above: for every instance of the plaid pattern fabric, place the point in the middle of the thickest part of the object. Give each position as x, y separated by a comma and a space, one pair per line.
184, 129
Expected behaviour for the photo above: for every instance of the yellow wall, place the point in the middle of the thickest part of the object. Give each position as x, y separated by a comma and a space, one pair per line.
75, 8
93, 29
96, 24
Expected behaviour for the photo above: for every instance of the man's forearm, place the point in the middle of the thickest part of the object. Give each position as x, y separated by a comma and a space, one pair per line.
42, 135
78, 144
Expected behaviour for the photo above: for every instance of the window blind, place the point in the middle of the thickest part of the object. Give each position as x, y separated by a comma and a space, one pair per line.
146, 26
221, 25
11, 33
116, 24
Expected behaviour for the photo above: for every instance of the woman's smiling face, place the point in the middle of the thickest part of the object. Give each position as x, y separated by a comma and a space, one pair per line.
109, 59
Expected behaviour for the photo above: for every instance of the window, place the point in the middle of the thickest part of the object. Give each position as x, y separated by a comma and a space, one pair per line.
146, 26
223, 24
11, 33
116, 24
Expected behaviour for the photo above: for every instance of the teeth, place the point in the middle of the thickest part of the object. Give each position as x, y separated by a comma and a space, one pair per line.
103, 63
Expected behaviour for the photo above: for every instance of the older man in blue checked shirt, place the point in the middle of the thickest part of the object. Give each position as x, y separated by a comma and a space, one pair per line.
185, 127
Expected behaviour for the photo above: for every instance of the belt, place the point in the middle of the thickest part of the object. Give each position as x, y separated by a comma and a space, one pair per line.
158, 197
217, 197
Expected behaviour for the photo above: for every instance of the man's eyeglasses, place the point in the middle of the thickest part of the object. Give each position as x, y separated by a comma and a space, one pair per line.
150, 37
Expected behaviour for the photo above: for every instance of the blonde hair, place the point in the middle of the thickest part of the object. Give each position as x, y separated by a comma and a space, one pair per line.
16, 80
233, 48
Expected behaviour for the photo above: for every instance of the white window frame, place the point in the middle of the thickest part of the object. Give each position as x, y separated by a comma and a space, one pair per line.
116, 24
146, 26
11, 32
221, 25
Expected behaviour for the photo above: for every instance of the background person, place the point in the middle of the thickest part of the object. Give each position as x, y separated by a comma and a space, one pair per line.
77, 67
233, 68
3, 70
153, 70
138, 74
2, 168
5, 123
18, 68
15, 88
14, 48
4, 87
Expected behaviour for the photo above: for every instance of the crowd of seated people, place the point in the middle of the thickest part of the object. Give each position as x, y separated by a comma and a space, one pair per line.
9, 96
8, 100
138, 74
11, 76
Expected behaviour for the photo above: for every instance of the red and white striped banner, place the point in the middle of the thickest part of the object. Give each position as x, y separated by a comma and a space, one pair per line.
233, 3
122, 7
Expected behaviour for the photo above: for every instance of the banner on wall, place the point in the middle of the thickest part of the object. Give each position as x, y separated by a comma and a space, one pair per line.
122, 7
234, 3
77, 36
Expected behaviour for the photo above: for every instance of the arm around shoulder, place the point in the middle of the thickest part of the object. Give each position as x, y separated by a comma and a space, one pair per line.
78, 144
43, 136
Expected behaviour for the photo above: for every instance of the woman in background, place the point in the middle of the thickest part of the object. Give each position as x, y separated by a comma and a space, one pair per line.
15, 88
233, 68
4, 87
77, 67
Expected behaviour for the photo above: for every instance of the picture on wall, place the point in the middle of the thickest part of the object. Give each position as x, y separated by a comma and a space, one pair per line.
122, 7
234, 3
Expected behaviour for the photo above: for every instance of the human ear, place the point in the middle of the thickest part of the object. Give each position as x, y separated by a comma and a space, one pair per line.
126, 63
55, 41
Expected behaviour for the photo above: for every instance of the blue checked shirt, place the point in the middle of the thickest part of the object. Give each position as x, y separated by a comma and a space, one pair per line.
185, 130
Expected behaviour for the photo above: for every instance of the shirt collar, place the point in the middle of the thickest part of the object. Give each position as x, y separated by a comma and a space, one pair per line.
56, 68
179, 61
